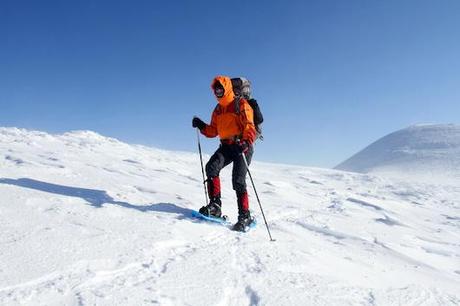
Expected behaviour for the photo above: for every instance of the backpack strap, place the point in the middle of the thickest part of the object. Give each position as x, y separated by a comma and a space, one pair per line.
237, 105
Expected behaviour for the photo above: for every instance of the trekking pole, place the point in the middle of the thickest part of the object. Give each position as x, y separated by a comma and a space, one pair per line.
202, 168
257, 196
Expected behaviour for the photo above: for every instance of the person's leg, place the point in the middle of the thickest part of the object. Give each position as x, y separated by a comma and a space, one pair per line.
239, 185
215, 164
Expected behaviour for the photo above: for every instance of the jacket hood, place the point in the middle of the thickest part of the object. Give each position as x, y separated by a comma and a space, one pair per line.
226, 82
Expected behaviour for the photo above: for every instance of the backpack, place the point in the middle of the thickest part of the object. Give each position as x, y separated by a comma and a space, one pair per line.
242, 88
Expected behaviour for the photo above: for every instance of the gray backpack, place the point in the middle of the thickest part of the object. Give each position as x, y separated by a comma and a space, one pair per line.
242, 88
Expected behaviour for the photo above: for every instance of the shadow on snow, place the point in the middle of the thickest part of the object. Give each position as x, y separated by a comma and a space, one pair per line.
95, 198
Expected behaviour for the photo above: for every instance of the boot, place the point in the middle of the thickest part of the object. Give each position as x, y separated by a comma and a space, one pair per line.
244, 220
213, 209
244, 216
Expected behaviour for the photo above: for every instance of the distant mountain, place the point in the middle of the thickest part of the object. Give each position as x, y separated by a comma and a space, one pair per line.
421, 152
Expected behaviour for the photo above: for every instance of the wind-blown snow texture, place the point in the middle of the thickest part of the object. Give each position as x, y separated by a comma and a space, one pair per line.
427, 153
88, 220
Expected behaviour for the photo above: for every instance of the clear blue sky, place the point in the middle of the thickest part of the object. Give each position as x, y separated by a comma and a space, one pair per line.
330, 76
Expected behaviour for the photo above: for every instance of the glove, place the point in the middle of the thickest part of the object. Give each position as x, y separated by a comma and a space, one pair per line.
242, 147
198, 123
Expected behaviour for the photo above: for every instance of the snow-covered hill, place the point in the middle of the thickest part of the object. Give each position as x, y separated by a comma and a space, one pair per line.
421, 152
89, 220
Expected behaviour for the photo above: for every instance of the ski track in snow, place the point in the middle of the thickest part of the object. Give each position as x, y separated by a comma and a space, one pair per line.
88, 220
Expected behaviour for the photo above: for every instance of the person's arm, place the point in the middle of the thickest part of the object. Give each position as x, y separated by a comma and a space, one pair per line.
211, 129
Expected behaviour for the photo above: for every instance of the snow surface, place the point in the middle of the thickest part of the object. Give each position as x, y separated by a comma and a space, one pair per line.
86, 219
429, 153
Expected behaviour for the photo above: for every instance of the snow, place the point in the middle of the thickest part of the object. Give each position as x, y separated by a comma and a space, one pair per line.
86, 219
423, 152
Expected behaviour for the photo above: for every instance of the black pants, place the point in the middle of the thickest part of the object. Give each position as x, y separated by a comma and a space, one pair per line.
226, 154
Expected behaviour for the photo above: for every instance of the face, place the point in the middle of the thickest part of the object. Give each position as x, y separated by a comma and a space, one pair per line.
219, 91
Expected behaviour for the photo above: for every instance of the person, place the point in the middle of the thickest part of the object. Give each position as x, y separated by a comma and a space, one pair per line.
232, 120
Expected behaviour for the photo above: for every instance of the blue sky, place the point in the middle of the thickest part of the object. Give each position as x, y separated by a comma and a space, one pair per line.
330, 76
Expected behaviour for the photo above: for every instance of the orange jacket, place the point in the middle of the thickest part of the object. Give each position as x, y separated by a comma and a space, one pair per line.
226, 122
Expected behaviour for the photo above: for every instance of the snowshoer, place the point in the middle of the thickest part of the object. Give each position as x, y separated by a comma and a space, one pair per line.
233, 121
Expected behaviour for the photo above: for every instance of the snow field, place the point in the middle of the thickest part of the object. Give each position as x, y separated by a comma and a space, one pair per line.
86, 219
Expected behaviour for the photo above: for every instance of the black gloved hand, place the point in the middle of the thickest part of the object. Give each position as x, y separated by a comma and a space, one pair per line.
198, 123
242, 147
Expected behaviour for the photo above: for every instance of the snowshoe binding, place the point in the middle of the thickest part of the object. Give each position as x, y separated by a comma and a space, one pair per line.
245, 221
213, 209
